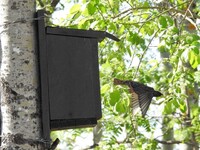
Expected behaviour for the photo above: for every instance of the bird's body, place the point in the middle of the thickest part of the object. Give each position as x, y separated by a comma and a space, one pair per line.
141, 94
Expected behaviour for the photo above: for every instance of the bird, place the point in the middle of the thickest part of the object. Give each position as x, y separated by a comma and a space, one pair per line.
141, 94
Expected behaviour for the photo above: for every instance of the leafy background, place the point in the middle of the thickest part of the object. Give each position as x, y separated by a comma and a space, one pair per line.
159, 46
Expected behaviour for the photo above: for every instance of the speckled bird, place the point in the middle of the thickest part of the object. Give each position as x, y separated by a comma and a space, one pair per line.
141, 94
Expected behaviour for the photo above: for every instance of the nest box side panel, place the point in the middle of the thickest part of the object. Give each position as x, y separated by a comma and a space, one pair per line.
73, 84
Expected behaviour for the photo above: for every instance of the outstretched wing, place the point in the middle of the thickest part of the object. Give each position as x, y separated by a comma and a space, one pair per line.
144, 101
141, 95
145, 95
134, 101
141, 98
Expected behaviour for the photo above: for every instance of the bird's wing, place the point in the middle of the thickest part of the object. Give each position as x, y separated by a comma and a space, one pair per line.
144, 101
134, 101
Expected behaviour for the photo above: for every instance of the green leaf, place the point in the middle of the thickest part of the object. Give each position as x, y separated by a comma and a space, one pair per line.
182, 135
175, 30
163, 22
189, 39
176, 104
169, 108
196, 50
196, 47
112, 26
76, 15
146, 4
182, 107
192, 38
170, 20
162, 48
121, 29
114, 97
120, 107
193, 59
75, 8
197, 76
134, 38
91, 8
96, 1
105, 88
102, 8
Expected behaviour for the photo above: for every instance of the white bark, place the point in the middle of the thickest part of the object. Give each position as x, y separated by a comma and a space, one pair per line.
0, 90
19, 82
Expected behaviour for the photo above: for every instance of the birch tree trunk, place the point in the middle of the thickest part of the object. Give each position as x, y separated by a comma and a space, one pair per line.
168, 134
0, 90
19, 82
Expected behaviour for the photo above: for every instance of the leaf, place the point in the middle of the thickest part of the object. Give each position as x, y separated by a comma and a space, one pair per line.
75, 8
111, 2
192, 38
196, 47
105, 88
183, 108
193, 59
114, 97
112, 26
76, 15
162, 48
189, 39
120, 107
176, 104
96, 1
134, 38
163, 22
197, 76
169, 108
102, 8
146, 4
121, 29
170, 20
93, 24
181, 135
175, 30
91, 8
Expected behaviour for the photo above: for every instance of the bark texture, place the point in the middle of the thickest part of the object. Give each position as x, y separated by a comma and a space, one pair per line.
19, 82
168, 133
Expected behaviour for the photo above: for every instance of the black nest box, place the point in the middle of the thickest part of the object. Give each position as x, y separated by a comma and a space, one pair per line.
69, 76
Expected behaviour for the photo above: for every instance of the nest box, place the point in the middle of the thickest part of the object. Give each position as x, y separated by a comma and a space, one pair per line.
69, 76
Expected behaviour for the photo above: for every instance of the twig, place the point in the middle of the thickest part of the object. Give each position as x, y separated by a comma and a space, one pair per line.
131, 9
55, 144
174, 142
185, 14
144, 53
110, 5
54, 3
134, 54
41, 3
155, 7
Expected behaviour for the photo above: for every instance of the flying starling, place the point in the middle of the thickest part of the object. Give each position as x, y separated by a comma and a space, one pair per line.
141, 94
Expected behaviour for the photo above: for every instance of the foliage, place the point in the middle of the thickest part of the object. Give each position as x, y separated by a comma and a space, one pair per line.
159, 46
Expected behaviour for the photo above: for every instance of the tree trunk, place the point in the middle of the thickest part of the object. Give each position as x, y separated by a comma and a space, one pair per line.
19, 82
0, 90
168, 134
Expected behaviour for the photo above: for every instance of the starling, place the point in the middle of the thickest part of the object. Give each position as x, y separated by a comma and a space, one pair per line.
141, 94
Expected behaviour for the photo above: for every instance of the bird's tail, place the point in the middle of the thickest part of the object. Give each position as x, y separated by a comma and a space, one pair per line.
156, 93
120, 82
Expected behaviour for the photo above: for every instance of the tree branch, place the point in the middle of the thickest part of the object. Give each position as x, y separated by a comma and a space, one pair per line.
161, 8
41, 3
54, 3
173, 142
